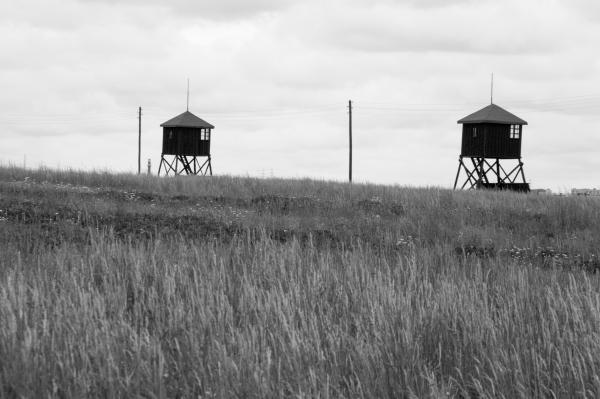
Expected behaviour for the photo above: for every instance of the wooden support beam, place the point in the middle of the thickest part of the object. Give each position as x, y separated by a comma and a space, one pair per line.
484, 172
522, 172
183, 164
460, 163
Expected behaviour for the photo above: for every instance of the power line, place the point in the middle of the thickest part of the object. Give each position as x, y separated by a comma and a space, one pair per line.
557, 100
566, 103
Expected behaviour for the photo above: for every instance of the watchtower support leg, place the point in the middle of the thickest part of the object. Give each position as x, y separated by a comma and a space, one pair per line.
460, 164
481, 175
522, 172
183, 164
499, 179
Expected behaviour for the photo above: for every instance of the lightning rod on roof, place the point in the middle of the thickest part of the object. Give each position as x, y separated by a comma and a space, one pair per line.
492, 90
187, 107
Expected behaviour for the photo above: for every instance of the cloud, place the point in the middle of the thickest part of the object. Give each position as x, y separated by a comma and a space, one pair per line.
220, 10
586, 9
275, 78
484, 28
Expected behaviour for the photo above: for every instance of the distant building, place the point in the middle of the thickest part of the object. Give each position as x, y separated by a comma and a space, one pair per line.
186, 141
490, 138
586, 192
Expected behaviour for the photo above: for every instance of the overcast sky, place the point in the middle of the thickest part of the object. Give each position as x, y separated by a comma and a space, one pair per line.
275, 77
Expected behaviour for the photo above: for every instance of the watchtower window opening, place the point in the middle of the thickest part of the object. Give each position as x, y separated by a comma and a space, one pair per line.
170, 134
474, 132
205, 134
515, 131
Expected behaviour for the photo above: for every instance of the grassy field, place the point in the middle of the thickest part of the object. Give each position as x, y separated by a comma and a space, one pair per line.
126, 286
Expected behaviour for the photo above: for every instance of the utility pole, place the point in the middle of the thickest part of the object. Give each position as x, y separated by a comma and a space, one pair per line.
139, 140
350, 140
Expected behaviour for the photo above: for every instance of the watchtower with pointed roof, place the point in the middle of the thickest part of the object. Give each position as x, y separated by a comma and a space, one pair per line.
491, 138
186, 146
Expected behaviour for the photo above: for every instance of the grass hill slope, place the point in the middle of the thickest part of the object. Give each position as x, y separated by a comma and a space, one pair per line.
124, 286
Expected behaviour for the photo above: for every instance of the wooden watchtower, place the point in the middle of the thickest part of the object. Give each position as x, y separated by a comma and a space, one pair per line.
186, 142
491, 139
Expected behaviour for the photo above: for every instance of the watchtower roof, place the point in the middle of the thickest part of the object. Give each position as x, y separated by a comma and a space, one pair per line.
493, 114
187, 119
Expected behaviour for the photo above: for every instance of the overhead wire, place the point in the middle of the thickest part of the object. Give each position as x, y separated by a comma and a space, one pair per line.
574, 102
566, 104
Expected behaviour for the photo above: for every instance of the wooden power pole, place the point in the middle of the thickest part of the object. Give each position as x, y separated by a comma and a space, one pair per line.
350, 140
139, 140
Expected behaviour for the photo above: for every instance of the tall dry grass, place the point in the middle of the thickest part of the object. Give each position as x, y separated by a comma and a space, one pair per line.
419, 293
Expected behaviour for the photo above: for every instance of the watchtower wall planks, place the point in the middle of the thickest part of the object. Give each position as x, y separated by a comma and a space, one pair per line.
490, 140
186, 141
